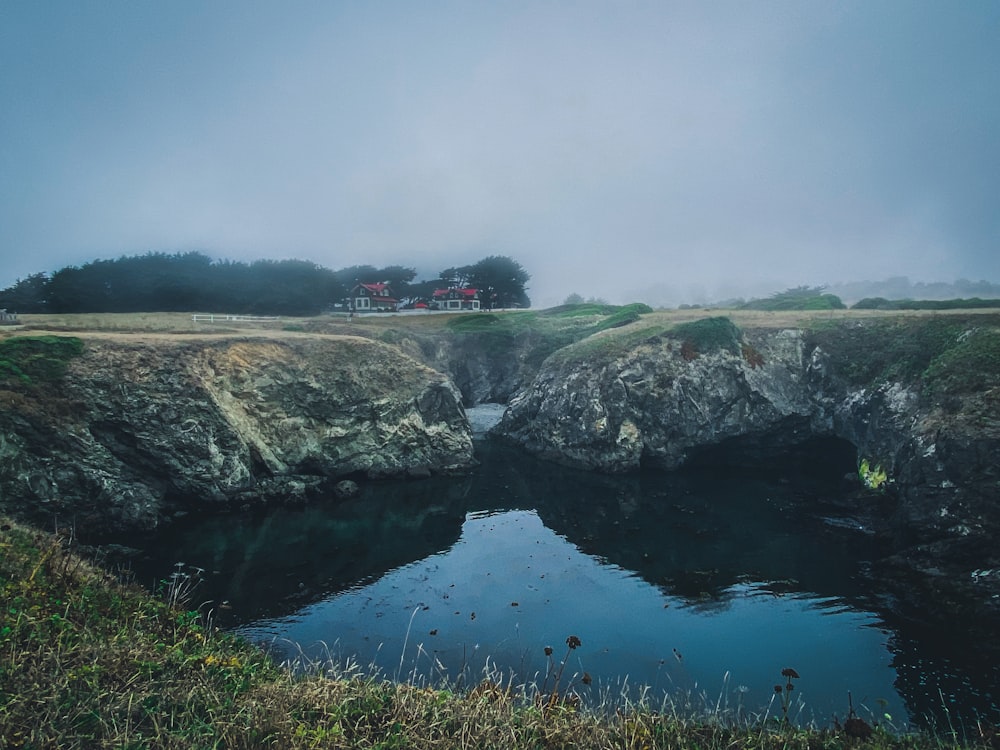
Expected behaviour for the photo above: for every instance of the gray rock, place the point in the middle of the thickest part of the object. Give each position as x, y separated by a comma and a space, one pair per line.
138, 431
652, 406
346, 489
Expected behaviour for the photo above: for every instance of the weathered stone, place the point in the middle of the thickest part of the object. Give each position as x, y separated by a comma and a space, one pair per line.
346, 489
654, 406
137, 431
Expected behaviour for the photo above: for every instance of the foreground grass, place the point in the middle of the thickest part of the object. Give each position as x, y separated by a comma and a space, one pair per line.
87, 661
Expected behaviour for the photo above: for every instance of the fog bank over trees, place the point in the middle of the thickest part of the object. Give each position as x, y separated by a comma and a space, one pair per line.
900, 287
195, 282
192, 281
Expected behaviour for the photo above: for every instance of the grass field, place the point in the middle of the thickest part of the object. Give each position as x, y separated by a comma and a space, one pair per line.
183, 323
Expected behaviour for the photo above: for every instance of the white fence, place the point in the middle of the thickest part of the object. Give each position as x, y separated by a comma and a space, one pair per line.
239, 318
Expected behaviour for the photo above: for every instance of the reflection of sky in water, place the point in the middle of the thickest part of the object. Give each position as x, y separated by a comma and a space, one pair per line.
510, 586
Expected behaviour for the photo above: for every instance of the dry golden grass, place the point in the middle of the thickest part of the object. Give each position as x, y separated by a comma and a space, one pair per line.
368, 325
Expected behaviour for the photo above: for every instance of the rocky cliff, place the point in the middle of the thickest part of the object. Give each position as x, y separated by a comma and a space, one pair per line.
140, 429
925, 421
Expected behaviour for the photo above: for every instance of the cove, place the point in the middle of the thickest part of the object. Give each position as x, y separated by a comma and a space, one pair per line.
701, 585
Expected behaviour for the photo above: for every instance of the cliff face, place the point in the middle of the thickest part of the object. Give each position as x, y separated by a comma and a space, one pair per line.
661, 403
138, 431
652, 406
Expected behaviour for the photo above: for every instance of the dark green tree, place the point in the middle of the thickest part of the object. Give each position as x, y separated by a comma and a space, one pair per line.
290, 287
192, 281
78, 289
457, 276
501, 282
397, 276
28, 295
424, 289
357, 274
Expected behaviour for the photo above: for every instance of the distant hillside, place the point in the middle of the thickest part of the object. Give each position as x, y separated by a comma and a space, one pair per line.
900, 287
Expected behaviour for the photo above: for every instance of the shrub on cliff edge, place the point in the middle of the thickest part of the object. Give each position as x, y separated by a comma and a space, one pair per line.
707, 335
37, 358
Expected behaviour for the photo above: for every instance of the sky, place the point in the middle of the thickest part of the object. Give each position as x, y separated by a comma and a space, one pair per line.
658, 151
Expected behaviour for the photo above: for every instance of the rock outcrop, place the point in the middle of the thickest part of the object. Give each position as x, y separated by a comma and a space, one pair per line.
140, 430
651, 406
661, 403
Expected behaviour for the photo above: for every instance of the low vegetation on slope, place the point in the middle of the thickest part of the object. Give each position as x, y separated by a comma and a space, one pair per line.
88, 661
799, 298
37, 358
945, 356
881, 303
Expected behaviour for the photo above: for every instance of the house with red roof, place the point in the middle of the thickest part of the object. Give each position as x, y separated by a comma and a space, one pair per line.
372, 297
456, 299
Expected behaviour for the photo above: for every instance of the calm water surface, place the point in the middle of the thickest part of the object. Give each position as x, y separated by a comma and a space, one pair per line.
702, 586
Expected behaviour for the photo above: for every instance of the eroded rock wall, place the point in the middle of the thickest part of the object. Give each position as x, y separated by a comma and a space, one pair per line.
140, 430
655, 404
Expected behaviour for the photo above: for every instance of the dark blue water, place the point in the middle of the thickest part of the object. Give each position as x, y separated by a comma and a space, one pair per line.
701, 586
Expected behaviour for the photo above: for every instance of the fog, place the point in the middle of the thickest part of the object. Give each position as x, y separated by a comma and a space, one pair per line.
658, 151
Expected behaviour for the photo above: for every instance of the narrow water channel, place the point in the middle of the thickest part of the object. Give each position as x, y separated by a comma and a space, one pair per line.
698, 588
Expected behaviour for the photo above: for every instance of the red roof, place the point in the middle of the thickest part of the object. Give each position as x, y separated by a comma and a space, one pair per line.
377, 288
464, 292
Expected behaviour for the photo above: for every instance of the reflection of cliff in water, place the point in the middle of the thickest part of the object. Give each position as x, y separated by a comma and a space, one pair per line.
693, 534
271, 563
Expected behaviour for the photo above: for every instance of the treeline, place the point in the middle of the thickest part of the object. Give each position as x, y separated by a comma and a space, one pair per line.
816, 298
192, 281
881, 303
900, 287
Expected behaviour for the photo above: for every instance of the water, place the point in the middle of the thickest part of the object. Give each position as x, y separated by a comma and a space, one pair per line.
701, 586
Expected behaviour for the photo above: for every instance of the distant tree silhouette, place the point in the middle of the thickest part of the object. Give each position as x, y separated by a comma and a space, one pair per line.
500, 280
457, 276
192, 281
26, 295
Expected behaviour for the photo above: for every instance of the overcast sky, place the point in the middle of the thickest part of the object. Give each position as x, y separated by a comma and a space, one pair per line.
662, 151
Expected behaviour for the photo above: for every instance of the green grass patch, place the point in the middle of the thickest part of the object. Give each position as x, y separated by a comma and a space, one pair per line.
800, 298
972, 365
698, 337
540, 334
870, 352
583, 309
605, 347
707, 335
37, 358
622, 316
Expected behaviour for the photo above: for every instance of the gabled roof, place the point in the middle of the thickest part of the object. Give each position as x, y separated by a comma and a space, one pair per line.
468, 293
379, 287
